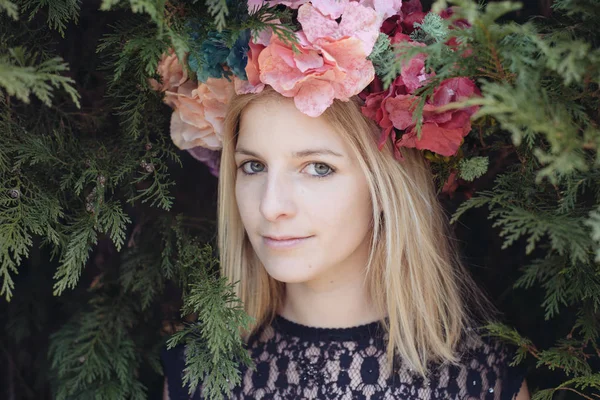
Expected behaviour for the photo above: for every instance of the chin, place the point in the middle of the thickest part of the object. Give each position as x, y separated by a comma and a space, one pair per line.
290, 273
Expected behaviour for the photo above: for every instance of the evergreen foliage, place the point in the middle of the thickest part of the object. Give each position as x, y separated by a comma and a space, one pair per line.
211, 342
21, 77
540, 83
93, 224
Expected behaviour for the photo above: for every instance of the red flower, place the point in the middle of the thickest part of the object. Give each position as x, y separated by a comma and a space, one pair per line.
403, 22
375, 106
451, 184
441, 132
460, 24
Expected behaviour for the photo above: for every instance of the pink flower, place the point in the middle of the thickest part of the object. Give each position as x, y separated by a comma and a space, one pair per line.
357, 21
409, 20
314, 77
385, 8
172, 74
391, 26
244, 87
199, 113
332, 9
455, 89
374, 108
411, 6
331, 62
403, 21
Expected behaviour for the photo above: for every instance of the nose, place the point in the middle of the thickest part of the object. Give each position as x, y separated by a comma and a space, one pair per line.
277, 198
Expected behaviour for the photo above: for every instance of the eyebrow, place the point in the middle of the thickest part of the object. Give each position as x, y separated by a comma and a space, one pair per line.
298, 154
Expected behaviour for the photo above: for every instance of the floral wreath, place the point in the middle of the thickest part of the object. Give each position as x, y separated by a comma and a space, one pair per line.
332, 57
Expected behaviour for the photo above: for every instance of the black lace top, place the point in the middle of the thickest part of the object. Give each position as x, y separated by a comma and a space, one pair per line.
294, 361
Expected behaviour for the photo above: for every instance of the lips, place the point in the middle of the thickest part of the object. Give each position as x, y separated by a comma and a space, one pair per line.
285, 242
282, 238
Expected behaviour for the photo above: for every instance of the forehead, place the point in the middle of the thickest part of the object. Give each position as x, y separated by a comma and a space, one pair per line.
277, 124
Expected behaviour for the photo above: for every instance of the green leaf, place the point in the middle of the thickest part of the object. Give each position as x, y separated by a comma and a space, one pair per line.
219, 11
21, 79
60, 12
76, 253
473, 168
10, 8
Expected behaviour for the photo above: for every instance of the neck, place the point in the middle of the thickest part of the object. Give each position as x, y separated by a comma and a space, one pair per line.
338, 301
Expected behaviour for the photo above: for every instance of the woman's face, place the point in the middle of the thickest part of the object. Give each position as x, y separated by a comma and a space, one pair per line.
301, 194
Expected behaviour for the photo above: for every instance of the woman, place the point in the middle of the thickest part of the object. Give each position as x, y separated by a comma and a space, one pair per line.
343, 257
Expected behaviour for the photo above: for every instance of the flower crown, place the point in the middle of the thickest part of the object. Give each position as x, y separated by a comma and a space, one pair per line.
332, 58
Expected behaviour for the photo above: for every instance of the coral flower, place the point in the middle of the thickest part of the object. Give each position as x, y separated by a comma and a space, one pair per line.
199, 113
253, 84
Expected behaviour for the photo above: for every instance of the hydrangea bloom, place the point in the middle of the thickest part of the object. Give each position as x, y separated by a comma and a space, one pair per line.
199, 113
253, 83
171, 72
315, 77
441, 132
207, 60
213, 59
331, 62
238, 55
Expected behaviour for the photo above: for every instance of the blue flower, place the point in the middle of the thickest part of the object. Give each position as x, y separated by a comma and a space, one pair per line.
238, 56
208, 60
208, 57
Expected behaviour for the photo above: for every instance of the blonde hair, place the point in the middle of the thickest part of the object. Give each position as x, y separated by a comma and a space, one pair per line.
413, 261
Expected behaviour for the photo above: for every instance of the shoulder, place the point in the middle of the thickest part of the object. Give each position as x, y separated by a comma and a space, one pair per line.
173, 363
485, 367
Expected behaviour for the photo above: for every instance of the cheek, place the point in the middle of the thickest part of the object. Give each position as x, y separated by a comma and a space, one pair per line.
245, 198
345, 212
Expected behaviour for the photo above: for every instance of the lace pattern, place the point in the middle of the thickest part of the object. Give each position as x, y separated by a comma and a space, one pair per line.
294, 361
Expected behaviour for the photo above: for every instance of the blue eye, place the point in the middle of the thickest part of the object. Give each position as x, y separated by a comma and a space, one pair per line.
252, 167
319, 170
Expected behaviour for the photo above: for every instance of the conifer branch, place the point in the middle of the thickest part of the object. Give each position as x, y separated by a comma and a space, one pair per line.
10, 8
155, 9
21, 78
60, 12
213, 345
472, 168
219, 11
95, 347
279, 22
81, 237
